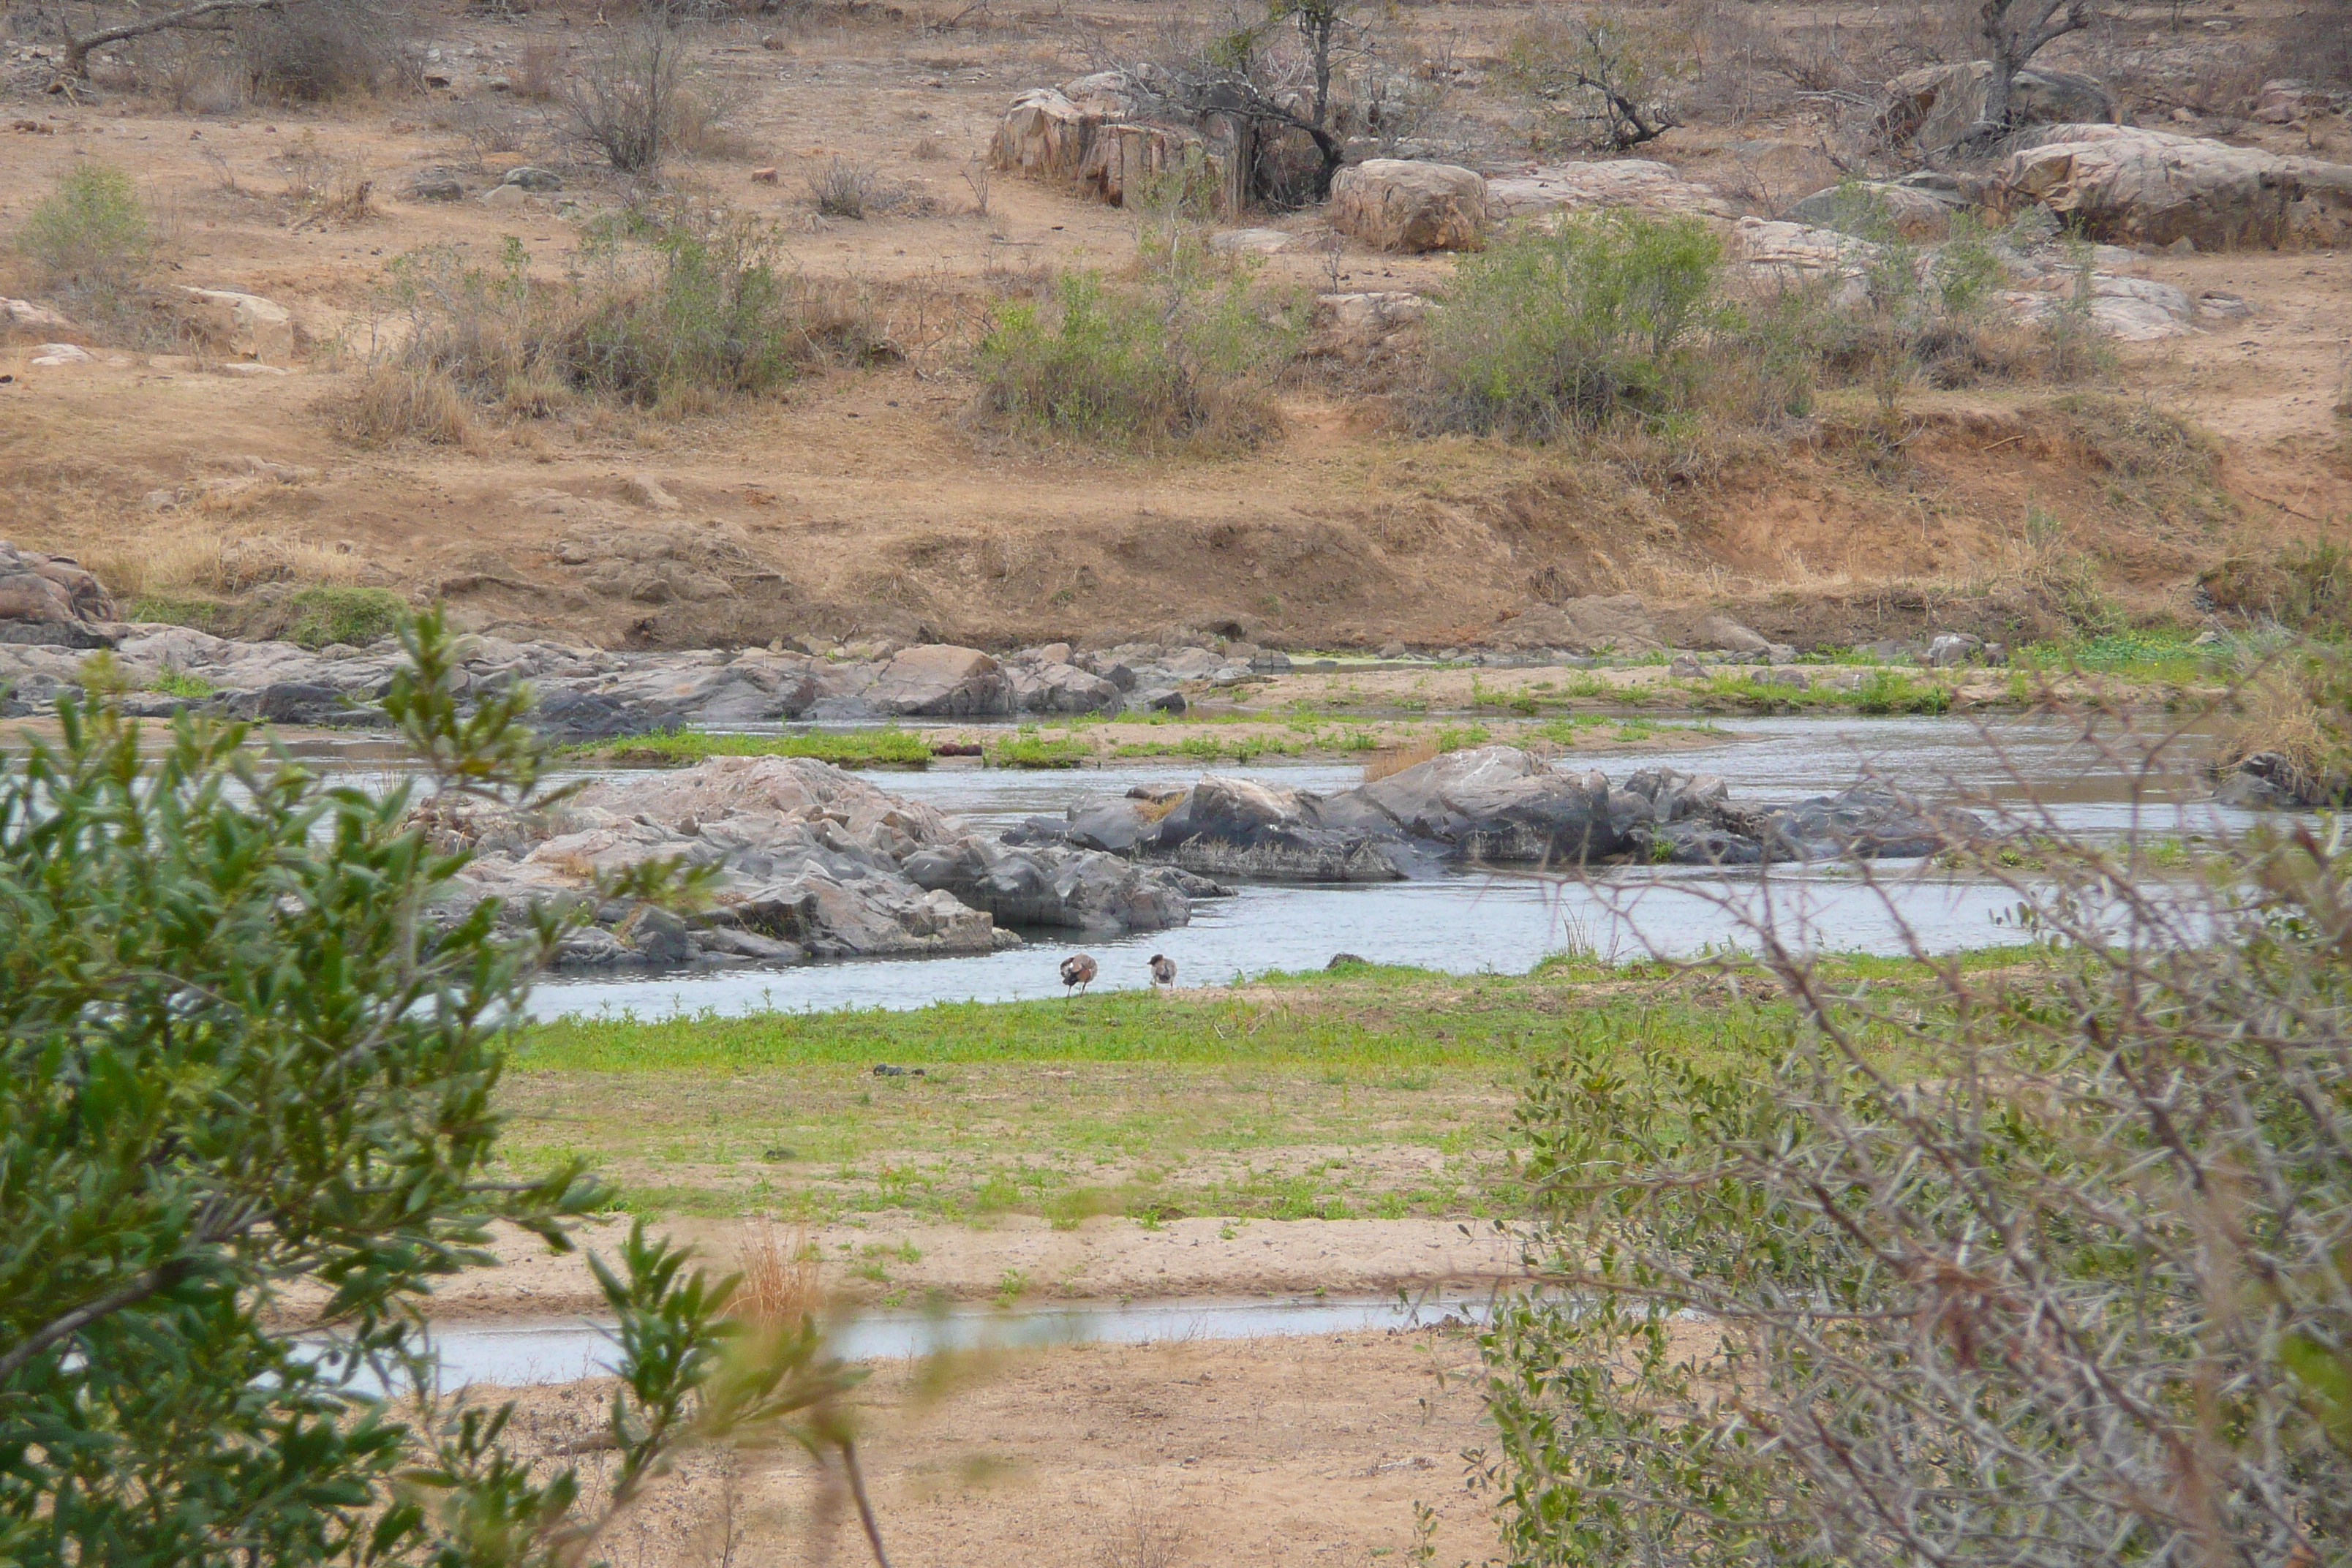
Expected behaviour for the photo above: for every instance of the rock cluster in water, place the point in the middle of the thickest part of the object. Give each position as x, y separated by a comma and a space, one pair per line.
812, 862
809, 862
1494, 805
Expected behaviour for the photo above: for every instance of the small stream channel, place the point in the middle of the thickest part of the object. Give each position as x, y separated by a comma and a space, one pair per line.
563, 1350
1503, 922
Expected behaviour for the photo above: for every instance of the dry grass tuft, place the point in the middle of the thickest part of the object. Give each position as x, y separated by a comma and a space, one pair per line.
780, 1276
1397, 759
209, 555
401, 403
2278, 713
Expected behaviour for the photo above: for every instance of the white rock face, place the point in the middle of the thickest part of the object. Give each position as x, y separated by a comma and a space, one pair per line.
2135, 186
1637, 183
1392, 204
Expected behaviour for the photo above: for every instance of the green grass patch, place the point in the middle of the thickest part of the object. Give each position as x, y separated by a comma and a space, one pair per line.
328, 615
1028, 749
1371, 1089
885, 748
204, 614
2163, 655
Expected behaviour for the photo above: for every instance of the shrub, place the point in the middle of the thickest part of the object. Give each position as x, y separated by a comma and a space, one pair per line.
326, 50
627, 100
91, 236
703, 311
237, 1064
2038, 1264
1186, 360
1601, 316
842, 190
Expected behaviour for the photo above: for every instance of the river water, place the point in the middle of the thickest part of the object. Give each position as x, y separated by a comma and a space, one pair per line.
1507, 922
561, 1349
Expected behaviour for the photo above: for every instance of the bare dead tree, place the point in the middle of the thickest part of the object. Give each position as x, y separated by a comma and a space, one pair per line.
2014, 32
206, 14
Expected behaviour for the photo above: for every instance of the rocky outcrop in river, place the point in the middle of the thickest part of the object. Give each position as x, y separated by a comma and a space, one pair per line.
584, 693
1494, 805
810, 861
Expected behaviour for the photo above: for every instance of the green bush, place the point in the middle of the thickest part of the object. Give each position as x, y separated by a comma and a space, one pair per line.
90, 237
1600, 317
1187, 359
330, 613
237, 1066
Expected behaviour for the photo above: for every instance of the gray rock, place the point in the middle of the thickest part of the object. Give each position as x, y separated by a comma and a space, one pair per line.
1049, 885
435, 190
1236, 828
1947, 649
532, 178
1161, 700
941, 681
2274, 782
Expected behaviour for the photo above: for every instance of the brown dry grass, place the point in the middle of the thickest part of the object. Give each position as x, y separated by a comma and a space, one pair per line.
212, 554
779, 1276
1397, 759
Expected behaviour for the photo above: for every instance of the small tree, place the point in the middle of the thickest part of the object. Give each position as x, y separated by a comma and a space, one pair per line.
1615, 81
2012, 32
626, 103
241, 1051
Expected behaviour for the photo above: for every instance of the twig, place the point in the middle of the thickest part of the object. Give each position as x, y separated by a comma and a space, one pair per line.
864, 1508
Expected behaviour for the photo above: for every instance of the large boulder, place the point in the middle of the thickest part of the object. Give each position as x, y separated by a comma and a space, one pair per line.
1044, 135
939, 680
803, 854
1392, 204
1782, 254
1615, 623
246, 326
1936, 108
1238, 827
2130, 186
1637, 183
1869, 821
1058, 687
1870, 208
1495, 805
49, 599
1050, 885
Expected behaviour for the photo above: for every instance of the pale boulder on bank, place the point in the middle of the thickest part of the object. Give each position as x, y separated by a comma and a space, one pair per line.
1392, 204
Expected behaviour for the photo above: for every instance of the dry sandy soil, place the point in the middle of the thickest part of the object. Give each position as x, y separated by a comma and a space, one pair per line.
864, 503
1244, 1452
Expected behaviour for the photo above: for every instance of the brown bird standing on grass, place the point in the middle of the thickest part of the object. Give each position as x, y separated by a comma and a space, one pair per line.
1163, 970
1077, 970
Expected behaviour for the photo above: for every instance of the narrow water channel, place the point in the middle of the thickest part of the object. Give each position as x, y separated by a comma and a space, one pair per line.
565, 1349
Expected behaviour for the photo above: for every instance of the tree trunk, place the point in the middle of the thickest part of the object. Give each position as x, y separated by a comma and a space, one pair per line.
77, 61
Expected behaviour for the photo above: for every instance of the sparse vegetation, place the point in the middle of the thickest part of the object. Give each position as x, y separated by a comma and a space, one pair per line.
1187, 360
1977, 1303
1028, 749
698, 309
1597, 80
